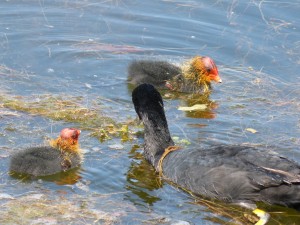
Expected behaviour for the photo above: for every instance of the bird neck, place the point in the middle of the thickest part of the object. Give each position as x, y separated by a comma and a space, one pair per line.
195, 71
65, 145
157, 136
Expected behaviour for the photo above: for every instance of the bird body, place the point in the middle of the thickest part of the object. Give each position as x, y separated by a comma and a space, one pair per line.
232, 173
194, 76
235, 173
63, 154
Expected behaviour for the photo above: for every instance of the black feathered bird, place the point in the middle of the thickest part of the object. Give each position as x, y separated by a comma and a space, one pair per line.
193, 76
229, 173
62, 154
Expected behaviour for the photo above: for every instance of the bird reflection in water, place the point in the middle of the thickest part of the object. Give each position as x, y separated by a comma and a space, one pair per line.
141, 179
69, 177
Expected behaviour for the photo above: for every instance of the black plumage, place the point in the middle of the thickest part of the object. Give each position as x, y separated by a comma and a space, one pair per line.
43, 160
229, 173
193, 76
153, 72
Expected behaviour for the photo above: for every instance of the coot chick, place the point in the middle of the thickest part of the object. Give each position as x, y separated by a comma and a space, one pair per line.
228, 173
62, 154
194, 76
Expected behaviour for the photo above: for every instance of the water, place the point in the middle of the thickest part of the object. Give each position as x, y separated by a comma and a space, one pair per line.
82, 49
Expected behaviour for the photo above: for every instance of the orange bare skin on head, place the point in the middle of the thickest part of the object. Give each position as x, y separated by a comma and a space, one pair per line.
67, 141
211, 69
202, 70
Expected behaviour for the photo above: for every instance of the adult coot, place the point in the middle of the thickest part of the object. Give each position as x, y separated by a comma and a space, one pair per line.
194, 76
229, 173
62, 154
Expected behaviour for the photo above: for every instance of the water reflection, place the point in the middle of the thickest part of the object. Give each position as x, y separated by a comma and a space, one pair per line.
141, 179
64, 178
206, 109
241, 215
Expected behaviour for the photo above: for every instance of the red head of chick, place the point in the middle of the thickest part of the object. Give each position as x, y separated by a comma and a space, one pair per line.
212, 73
202, 70
67, 141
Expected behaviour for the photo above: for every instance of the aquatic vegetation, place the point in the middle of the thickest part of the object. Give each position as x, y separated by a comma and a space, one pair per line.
69, 109
42, 210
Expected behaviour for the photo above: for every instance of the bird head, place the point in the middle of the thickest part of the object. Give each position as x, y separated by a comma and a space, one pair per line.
70, 134
212, 72
67, 141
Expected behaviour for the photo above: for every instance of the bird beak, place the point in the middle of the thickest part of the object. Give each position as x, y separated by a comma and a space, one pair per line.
216, 78
219, 80
214, 75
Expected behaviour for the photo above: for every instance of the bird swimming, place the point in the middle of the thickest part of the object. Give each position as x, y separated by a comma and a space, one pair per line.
61, 155
231, 173
194, 76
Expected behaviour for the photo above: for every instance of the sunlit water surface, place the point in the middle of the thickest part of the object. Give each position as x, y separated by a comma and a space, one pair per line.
82, 49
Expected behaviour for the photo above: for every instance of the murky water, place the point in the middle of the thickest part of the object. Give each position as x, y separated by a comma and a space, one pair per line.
82, 49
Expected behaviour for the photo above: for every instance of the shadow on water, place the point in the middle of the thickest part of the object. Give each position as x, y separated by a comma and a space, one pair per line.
64, 178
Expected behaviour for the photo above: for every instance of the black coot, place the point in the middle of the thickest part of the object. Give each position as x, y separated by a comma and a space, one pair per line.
229, 173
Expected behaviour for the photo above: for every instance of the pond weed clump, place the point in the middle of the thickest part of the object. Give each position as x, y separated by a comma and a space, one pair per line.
68, 109
57, 210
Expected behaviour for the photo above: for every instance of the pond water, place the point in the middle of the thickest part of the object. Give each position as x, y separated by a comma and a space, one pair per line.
82, 49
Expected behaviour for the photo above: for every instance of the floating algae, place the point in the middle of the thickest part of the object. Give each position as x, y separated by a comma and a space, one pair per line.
68, 109
59, 210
